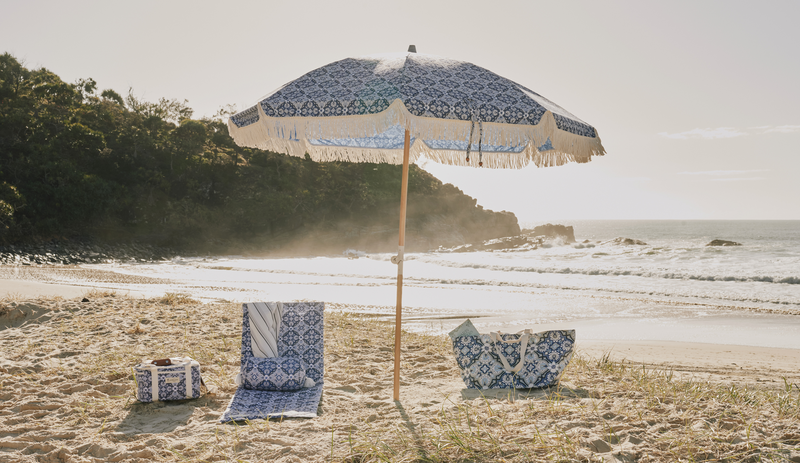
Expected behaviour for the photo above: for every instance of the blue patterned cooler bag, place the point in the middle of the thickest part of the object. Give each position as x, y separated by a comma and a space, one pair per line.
176, 378
524, 360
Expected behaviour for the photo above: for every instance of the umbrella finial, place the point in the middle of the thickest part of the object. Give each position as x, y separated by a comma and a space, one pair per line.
412, 48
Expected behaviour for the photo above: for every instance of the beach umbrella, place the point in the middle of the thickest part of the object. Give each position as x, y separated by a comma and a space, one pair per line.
395, 108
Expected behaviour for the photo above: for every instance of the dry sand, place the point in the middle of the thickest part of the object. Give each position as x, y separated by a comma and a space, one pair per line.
67, 394
67, 281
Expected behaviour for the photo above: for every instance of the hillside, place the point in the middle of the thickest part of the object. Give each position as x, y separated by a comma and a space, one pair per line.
77, 163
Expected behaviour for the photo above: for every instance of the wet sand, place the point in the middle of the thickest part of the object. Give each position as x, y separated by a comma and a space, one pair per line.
713, 360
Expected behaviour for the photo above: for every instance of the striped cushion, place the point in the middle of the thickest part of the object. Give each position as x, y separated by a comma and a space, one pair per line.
265, 323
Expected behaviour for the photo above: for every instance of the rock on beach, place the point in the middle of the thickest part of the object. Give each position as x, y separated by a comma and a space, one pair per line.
723, 243
54, 253
626, 242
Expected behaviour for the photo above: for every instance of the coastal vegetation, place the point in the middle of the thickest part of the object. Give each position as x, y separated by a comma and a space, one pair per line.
77, 162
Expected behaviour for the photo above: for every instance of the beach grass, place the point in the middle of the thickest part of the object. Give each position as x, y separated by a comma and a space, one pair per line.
679, 420
601, 409
69, 367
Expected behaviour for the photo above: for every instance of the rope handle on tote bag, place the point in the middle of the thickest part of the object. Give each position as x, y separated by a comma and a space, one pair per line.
497, 337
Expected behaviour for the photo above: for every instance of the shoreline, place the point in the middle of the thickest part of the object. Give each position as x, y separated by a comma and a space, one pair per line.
702, 360
668, 322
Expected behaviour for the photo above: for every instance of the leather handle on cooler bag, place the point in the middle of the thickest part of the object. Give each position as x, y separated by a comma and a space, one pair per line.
162, 362
523, 340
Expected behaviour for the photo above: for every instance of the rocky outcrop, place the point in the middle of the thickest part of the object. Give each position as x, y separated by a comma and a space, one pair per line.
456, 228
554, 231
442, 219
70, 253
723, 243
517, 243
541, 236
625, 242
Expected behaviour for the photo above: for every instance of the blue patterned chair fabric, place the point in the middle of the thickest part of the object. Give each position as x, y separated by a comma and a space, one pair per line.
273, 374
300, 337
547, 355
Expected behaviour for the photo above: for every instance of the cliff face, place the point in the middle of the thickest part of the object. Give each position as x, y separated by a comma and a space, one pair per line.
79, 164
422, 234
455, 218
443, 217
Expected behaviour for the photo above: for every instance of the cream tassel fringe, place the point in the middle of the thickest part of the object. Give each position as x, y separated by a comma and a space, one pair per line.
290, 134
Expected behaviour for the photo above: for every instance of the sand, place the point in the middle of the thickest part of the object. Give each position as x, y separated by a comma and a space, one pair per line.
67, 394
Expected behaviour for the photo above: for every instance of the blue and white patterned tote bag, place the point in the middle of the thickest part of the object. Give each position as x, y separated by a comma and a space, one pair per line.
523, 360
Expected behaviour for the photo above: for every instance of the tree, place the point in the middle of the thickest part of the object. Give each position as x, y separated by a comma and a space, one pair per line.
173, 111
109, 94
73, 162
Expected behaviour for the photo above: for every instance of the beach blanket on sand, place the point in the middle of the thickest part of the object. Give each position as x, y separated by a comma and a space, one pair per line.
300, 335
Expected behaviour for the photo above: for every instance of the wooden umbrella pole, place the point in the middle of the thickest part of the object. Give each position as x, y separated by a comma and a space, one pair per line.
399, 261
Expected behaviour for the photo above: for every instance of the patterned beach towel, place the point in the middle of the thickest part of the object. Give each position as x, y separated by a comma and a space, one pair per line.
300, 336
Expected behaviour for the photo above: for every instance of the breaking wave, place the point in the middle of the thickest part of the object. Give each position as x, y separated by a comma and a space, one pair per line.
670, 275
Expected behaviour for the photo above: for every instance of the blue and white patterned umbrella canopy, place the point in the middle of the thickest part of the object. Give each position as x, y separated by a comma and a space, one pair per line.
357, 109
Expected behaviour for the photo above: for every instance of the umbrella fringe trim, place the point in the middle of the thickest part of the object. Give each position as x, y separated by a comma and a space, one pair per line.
418, 149
289, 135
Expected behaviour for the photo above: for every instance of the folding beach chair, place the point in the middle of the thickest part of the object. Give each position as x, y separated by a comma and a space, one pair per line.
300, 336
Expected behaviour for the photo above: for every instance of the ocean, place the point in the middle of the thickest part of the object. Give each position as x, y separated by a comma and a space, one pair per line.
673, 288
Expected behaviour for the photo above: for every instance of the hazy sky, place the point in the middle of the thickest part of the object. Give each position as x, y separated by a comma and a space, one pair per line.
697, 102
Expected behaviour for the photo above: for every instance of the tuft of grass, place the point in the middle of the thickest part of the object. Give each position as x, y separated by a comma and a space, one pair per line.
137, 329
13, 297
174, 299
99, 293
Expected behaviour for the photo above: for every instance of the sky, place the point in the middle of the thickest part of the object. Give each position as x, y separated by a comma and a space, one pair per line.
697, 103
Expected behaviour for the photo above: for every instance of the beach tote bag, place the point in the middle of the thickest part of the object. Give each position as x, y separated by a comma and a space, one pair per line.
175, 378
523, 360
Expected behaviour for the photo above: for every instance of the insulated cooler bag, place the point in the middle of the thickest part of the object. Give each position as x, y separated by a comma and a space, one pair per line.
176, 378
